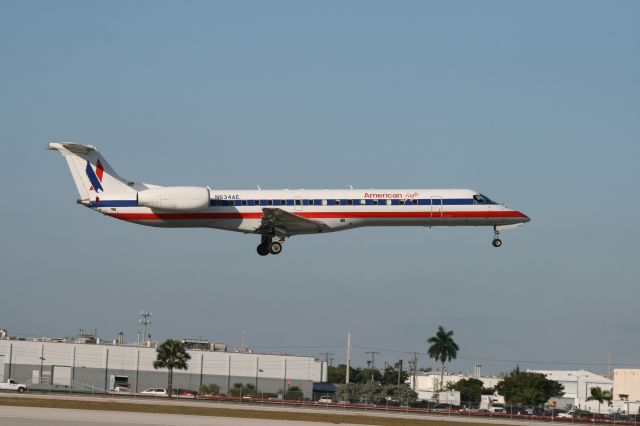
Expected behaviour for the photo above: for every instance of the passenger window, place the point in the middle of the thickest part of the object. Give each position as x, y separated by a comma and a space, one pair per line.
401, 202
324, 202
244, 202
337, 202
298, 202
270, 202
350, 202
375, 202
283, 203
363, 202
388, 202
415, 202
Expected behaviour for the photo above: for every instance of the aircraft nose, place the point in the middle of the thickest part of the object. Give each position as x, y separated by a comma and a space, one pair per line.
525, 218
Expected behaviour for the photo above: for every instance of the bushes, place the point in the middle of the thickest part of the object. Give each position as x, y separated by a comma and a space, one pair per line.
375, 393
210, 389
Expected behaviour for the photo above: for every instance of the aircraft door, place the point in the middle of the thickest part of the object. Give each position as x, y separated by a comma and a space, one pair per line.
436, 207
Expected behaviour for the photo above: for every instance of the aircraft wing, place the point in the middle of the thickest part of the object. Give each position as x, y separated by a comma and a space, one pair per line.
280, 222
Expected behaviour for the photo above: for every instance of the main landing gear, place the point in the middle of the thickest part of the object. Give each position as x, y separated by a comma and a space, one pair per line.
497, 242
268, 245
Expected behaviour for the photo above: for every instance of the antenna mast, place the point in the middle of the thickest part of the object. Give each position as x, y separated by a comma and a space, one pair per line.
146, 322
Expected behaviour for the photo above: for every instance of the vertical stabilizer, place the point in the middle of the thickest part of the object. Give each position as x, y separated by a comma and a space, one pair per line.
91, 172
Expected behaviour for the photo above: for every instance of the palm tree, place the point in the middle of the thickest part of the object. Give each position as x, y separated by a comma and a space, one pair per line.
442, 349
597, 394
172, 356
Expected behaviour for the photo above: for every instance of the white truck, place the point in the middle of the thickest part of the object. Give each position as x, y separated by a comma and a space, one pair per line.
492, 403
11, 385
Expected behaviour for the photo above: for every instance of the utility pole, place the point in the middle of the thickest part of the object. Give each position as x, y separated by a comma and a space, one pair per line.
348, 357
399, 371
373, 361
414, 367
145, 321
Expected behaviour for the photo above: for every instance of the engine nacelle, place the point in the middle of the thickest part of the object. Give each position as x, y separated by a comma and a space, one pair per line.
175, 198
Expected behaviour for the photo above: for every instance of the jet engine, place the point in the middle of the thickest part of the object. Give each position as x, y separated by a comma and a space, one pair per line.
175, 198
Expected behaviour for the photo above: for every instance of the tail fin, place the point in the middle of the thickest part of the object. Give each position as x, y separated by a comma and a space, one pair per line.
91, 173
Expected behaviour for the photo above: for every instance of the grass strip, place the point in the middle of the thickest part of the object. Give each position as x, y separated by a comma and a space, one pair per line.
226, 412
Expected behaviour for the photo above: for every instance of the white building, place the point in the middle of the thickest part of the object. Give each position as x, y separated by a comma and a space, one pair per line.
92, 366
578, 384
428, 384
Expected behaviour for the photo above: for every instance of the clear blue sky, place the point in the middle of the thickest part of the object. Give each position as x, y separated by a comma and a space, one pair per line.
535, 104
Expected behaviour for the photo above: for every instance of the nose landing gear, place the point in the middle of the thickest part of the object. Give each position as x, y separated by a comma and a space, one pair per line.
497, 242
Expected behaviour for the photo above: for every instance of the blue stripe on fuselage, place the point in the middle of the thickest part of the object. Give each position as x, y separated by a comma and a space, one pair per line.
276, 203
114, 203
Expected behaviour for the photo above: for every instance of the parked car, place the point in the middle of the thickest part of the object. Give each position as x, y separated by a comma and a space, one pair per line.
618, 417
554, 412
155, 392
184, 393
121, 389
568, 415
12, 385
515, 410
443, 407
325, 399
535, 411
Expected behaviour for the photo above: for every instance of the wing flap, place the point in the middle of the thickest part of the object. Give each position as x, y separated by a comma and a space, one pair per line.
276, 220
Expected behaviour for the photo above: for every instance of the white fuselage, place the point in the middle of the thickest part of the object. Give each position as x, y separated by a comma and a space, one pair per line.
242, 210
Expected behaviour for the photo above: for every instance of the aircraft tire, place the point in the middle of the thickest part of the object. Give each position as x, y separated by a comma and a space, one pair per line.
275, 248
497, 242
263, 250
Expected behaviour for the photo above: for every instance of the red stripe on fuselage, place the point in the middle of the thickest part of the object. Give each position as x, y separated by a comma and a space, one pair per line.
320, 215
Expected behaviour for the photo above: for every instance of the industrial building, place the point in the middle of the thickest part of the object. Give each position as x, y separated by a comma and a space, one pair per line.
93, 365
626, 384
427, 385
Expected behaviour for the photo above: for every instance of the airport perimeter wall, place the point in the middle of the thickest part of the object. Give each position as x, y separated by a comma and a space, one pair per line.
91, 366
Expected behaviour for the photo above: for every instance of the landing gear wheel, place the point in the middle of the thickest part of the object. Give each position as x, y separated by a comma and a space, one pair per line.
497, 242
263, 250
275, 247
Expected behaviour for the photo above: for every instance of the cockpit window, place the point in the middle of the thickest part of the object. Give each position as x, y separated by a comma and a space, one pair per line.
481, 199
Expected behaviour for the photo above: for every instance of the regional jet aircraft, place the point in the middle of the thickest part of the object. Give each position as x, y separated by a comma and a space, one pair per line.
276, 215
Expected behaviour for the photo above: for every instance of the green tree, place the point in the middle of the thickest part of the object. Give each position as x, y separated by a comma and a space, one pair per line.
339, 374
470, 389
597, 394
442, 349
347, 392
528, 388
400, 394
390, 375
172, 356
364, 375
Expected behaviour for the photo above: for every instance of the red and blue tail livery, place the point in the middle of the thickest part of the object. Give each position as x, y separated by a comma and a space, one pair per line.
95, 177
275, 215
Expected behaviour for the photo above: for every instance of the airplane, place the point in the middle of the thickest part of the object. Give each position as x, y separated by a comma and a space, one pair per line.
276, 215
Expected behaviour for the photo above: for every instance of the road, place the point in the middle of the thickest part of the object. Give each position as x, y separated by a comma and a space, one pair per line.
29, 416
121, 414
